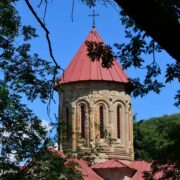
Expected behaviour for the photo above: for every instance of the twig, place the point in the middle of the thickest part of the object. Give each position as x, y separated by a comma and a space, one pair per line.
45, 10
39, 5
72, 10
51, 98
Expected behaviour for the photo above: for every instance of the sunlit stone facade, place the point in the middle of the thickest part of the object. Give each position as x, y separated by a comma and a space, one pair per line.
97, 113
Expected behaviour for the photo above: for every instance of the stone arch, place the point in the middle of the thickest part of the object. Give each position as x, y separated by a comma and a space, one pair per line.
82, 122
82, 100
120, 100
103, 101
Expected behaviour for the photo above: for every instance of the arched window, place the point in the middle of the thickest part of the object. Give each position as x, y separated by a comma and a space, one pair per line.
101, 121
83, 121
67, 124
118, 121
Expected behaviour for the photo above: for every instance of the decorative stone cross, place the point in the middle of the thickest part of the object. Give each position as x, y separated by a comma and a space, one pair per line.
93, 16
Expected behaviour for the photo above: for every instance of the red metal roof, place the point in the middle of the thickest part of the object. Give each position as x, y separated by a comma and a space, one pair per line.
143, 166
87, 172
138, 167
112, 163
81, 68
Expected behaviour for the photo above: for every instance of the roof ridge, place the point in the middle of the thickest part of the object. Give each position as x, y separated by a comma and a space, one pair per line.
78, 60
81, 66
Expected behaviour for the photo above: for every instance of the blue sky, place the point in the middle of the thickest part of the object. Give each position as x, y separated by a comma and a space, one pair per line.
67, 36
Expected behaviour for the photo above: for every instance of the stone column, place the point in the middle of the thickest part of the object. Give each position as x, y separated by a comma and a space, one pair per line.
60, 118
127, 129
123, 124
91, 127
59, 138
73, 118
87, 131
111, 121
131, 128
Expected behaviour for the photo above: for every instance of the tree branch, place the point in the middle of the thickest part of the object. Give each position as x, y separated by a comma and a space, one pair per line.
47, 33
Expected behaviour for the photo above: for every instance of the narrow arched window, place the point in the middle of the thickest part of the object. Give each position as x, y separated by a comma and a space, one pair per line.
118, 121
67, 124
101, 119
83, 121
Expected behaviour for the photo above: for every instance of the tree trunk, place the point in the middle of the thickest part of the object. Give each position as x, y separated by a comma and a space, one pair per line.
160, 22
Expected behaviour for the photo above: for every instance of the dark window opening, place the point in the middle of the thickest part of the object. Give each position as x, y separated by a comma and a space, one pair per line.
118, 122
101, 118
83, 121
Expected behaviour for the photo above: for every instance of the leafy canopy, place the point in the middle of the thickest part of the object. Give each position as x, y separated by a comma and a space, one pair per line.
158, 140
25, 74
21, 74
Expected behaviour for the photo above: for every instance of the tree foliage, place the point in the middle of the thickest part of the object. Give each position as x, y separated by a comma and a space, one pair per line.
21, 135
23, 139
48, 164
21, 71
21, 74
158, 140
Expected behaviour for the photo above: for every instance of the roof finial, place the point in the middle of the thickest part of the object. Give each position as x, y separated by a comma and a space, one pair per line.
93, 16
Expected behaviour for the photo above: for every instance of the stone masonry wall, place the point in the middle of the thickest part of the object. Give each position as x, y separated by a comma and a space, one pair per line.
92, 95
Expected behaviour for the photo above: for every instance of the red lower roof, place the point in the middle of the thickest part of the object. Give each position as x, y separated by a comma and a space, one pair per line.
81, 68
87, 171
138, 167
112, 163
141, 167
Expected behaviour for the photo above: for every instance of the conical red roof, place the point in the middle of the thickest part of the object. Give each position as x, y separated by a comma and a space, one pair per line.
81, 68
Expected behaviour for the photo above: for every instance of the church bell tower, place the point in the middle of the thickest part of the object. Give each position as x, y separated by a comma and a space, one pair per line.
95, 107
